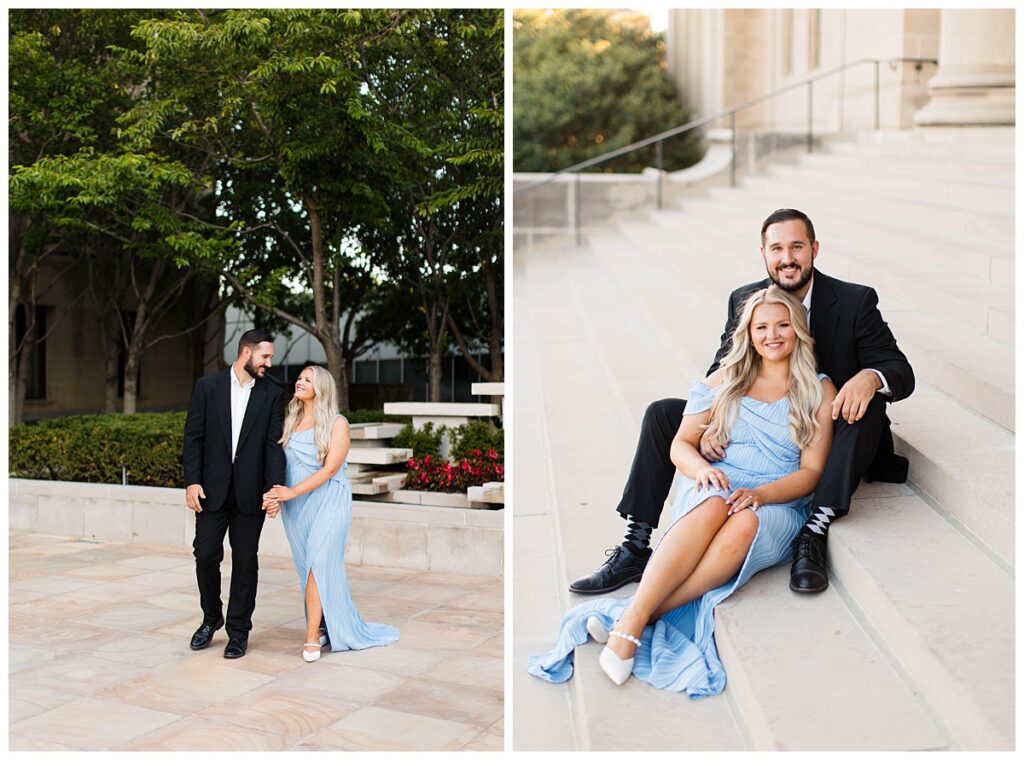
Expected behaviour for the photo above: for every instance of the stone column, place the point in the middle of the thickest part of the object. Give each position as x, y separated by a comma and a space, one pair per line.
974, 84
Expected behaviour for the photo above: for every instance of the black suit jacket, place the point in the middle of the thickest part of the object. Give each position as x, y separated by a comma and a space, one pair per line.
259, 461
849, 333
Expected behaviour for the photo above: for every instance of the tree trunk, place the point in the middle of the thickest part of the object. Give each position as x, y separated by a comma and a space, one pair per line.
131, 388
435, 373
110, 375
336, 366
137, 339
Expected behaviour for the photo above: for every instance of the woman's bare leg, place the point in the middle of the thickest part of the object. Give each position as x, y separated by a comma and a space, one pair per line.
676, 557
720, 562
314, 611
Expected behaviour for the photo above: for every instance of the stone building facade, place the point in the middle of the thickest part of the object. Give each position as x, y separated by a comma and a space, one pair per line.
720, 58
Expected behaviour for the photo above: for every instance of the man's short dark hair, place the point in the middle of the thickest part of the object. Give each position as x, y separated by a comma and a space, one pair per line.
786, 215
252, 338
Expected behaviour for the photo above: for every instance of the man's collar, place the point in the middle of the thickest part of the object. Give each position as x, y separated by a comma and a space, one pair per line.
807, 295
236, 381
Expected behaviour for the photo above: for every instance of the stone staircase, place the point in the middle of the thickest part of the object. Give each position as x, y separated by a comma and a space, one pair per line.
912, 646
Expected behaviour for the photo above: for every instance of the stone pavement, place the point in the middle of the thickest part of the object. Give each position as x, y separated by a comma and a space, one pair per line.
99, 658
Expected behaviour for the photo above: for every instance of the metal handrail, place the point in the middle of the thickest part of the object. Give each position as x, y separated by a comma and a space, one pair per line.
731, 112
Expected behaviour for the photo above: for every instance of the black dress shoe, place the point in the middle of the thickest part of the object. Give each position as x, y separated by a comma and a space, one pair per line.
807, 575
236, 648
204, 634
622, 566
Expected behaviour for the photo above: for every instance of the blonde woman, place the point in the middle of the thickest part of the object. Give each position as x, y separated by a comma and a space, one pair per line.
316, 507
731, 518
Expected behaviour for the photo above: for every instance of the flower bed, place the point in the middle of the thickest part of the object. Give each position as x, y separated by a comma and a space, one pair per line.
432, 474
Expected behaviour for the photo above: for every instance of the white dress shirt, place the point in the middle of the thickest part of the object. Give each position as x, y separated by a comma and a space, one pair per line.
239, 400
885, 389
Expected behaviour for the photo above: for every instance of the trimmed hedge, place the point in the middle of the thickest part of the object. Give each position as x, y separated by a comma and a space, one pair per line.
93, 448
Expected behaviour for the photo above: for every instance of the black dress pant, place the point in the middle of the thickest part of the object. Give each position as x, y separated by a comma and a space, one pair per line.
650, 478
243, 531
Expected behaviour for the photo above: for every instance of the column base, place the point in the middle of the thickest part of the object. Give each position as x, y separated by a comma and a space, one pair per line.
968, 106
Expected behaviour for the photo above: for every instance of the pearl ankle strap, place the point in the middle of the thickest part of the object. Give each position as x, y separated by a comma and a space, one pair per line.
625, 636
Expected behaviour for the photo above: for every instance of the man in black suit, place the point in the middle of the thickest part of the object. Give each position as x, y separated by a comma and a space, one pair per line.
854, 347
232, 457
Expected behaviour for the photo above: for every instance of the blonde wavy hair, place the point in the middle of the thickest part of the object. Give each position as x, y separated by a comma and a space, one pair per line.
325, 409
740, 365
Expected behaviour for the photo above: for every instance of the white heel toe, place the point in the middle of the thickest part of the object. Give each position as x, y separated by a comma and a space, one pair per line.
596, 630
311, 656
614, 666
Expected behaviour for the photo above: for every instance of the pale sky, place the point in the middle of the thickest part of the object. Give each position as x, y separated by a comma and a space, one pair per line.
657, 14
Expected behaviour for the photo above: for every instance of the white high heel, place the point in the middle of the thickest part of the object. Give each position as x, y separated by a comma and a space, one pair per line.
311, 656
614, 666
596, 630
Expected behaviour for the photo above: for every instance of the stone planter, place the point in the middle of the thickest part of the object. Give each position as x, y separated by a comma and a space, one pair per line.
416, 536
430, 498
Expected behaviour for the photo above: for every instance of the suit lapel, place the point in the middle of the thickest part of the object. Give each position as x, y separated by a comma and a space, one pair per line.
223, 404
824, 318
257, 397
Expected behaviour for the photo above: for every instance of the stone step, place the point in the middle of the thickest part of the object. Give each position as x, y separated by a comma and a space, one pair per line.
998, 153
488, 389
943, 217
369, 443
1000, 175
378, 456
840, 692
368, 489
943, 609
976, 196
1004, 136
965, 253
374, 430
964, 462
442, 409
983, 306
924, 425
977, 372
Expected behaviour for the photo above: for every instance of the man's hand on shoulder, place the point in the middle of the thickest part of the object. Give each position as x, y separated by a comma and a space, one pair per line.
193, 494
855, 395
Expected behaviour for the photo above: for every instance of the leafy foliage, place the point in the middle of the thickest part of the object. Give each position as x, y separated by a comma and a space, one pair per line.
479, 436
424, 442
588, 82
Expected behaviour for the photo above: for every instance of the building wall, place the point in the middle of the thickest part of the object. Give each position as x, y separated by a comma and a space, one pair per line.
720, 58
75, 354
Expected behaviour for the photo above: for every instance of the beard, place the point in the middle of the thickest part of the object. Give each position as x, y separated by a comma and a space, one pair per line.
254, 371
792, 287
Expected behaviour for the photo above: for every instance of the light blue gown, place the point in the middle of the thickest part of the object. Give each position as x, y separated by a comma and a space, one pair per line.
678, 651
316, 525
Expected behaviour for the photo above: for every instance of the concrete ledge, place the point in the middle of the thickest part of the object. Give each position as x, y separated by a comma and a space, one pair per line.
442, 409
417, 537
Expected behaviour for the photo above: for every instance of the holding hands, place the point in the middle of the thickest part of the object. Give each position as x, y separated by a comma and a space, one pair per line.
273, 499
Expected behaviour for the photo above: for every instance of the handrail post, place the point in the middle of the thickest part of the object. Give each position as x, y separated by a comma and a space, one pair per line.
878, 96
578, 213
810, 116
659, 161
732, 136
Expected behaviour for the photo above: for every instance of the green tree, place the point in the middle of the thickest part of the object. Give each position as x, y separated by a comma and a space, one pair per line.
436, 90
75, 189
587, 82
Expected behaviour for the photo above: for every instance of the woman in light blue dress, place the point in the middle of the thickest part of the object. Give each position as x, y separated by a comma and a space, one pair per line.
316, 507
731, 518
